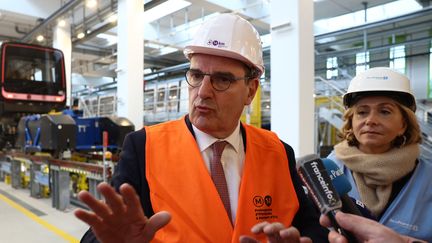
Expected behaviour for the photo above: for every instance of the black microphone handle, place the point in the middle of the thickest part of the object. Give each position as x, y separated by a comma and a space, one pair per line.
348, 235
348, 206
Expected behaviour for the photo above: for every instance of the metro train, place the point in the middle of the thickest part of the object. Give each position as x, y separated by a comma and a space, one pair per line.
32, 81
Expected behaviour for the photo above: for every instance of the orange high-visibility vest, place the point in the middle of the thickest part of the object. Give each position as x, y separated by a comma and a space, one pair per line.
180, 183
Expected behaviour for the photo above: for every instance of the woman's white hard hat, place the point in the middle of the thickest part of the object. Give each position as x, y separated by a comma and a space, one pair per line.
228, 35
380, 81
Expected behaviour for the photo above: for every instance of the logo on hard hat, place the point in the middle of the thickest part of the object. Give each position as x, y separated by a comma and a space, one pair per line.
378, 77
216, 43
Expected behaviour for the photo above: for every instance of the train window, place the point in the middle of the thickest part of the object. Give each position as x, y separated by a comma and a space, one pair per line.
161, 97
94, 105
37, 75
107, 106
29, 70
23, 65
149, 100
173, 98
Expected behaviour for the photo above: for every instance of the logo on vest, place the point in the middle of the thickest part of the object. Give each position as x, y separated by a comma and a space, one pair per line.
263, 210
411, 227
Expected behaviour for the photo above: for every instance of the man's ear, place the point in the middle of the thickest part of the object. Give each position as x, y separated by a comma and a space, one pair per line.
252, 89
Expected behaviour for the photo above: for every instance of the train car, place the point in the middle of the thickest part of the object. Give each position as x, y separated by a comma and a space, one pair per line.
165, 100
32, 81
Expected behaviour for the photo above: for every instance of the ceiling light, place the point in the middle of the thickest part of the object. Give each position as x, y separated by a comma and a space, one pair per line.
147, 70
112, 18
62, 23
164, 9
80, 35
111, 39
91, 3
40, 38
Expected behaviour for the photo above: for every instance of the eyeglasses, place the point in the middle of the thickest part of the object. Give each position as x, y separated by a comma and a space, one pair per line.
219, 81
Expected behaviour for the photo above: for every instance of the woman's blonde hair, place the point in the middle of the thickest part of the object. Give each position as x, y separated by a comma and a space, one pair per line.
412, 133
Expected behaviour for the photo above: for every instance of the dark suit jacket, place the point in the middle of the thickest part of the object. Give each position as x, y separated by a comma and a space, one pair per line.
131, 170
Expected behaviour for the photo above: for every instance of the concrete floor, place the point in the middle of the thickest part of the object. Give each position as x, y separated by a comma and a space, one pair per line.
26, 219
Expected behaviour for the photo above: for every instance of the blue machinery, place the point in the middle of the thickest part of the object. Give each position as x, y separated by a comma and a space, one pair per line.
69, 131
29, 141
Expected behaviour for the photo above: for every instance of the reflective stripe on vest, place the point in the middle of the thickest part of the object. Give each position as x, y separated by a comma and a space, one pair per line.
180, 183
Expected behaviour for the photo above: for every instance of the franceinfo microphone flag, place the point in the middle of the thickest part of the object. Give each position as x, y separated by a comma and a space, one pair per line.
342, 186
315, 177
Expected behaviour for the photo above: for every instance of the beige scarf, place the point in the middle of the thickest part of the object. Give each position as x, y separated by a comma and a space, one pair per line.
374, 174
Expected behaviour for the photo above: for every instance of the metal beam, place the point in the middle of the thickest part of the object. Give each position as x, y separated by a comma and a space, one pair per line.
68, 6
414, 15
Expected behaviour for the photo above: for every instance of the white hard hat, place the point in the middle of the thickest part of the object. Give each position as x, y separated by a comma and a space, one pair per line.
380, 81
228, 35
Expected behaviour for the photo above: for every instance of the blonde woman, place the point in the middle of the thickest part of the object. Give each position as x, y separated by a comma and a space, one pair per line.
380, 153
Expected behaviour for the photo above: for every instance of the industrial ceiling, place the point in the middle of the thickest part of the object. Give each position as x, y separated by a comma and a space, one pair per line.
94, 55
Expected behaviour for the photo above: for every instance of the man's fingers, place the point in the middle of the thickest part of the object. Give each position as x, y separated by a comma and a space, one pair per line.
258, 228
112, 198
98, 207
131, 200
355, 224
273, 232
334, 237
273, 228
290, 234
324, 220
276, 232
89, 218
247, 239
154, 223
305, 240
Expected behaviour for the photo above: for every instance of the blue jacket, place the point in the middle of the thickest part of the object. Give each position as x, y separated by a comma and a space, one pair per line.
410, 213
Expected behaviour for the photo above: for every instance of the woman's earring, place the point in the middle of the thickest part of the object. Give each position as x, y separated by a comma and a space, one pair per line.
404, 141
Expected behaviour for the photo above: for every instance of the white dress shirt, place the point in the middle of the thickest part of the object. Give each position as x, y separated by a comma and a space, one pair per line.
232, 160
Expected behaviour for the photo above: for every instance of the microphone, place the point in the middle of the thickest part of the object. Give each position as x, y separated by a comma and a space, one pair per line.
342, 186
315, 177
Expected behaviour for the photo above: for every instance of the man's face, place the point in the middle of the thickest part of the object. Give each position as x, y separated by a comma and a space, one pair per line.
217, 113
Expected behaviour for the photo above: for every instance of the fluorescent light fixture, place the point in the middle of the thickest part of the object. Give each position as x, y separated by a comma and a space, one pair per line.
62, 23
377, 13
80, 35
40, 38
154, 45
91, 3
167, 50
147, 70
111, 39
164, 9
112, 18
